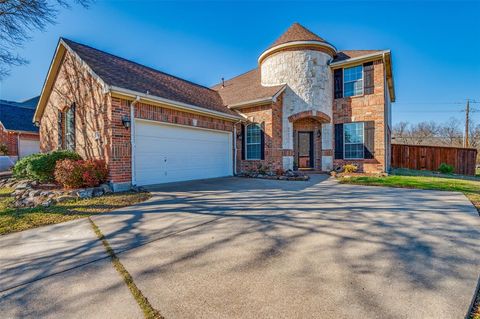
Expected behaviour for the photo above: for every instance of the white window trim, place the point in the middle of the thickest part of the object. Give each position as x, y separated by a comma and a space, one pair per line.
363, 142
246, 143
343, 80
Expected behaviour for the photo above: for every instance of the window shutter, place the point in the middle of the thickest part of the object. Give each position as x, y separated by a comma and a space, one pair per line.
369, 145
338, 141
368, 83
262, 143
338, 83
60, 129
243, 141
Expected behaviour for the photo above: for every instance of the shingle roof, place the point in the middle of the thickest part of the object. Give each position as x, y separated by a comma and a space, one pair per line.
244, 88
17, 117
348, 54
297, 32
117, 71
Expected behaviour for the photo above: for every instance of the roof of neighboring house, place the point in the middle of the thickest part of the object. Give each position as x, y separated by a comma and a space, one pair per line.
246, 87
125, 74
349, 54
17, 116
297, 32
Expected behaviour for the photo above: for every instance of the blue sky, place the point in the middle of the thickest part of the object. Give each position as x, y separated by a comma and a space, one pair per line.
435, 45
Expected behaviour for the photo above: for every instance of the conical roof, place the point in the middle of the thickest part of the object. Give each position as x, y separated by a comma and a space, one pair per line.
297, 32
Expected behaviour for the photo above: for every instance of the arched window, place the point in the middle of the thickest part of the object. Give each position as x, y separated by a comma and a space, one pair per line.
253, 142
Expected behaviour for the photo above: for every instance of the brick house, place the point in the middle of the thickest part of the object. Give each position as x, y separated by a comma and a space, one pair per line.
306, 106
17, 131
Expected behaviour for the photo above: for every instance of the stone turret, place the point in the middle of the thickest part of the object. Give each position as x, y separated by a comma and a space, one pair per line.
300, 59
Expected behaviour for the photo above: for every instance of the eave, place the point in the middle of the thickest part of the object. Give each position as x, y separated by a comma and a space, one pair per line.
385, 55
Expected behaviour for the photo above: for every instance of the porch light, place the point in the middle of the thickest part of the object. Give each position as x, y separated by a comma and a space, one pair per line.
126, 121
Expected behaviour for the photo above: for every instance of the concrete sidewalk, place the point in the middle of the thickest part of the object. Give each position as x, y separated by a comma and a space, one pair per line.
61, 271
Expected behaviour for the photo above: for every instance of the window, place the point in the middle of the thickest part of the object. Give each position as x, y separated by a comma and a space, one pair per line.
66, 131
353, 139
353, 81
254, 142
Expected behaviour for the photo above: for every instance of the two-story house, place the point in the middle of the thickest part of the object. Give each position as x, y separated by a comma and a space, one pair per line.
306, 106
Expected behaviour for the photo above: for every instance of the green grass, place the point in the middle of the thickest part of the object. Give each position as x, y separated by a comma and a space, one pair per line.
148, 311
13, 219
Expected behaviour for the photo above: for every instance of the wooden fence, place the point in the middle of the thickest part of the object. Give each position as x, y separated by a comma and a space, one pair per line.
430, 157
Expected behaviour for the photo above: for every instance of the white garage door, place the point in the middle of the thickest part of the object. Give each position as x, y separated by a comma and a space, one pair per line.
169, 153
27, 147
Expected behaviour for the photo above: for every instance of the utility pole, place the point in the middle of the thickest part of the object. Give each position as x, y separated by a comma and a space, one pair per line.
467, 122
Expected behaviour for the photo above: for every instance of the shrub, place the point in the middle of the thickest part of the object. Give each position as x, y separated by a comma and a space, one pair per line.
80, 173
350, 168
279, 171
41, 167
3, 149
445, 168
20, 168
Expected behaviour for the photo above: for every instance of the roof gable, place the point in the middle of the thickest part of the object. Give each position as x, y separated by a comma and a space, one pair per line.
246, 88
126, 74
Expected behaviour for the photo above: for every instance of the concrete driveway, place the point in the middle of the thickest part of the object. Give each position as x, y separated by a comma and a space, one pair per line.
245, 248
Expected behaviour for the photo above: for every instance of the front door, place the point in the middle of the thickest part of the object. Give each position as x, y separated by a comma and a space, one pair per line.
305, 150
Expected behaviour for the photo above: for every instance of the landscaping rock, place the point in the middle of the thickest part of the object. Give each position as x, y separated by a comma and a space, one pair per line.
97, 191
65, 198
48, 203
106, 188
24, 185
84, 193
34, 193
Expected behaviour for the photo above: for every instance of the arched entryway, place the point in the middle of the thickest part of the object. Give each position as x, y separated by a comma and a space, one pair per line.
307, 139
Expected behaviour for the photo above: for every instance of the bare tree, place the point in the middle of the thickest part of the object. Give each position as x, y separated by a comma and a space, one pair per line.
450, 132
401, 132
424, 132
18, 18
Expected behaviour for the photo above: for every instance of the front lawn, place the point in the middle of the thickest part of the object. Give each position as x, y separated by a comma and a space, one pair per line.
18, 219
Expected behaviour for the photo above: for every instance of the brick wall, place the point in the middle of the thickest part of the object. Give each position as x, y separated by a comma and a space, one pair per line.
271, 116
120, 160
74, 84
366, 108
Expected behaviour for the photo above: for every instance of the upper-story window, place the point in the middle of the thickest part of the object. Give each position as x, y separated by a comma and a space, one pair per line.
353, 81
254, 142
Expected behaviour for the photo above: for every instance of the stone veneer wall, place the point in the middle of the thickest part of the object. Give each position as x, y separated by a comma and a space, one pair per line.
271, 116
309, 87
366, 108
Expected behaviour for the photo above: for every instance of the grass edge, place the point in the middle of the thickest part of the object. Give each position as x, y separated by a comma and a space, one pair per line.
148, 310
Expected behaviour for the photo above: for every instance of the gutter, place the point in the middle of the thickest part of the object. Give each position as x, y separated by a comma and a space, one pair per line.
175, 104
256, 102
359, 59
132, 136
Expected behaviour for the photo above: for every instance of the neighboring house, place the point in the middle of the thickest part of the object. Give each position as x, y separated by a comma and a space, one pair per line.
17, 131
306, 106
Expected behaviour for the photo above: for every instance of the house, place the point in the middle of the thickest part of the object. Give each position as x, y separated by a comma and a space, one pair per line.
17, 131
306, 106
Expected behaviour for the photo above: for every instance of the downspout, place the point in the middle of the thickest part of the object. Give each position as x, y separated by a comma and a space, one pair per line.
132, 136
235, 147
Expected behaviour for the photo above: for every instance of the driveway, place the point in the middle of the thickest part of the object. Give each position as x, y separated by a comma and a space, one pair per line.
246, 248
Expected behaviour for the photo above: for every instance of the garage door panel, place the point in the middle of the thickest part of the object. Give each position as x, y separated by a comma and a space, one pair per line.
166, 153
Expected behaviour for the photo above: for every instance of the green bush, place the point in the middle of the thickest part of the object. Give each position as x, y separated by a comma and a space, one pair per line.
40, 167
445, 168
